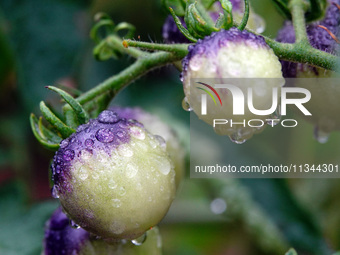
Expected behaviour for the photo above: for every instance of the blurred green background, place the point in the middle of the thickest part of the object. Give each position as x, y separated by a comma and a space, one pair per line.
45, 42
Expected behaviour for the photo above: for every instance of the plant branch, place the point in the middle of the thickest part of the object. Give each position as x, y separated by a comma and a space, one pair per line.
297, 8
175, 48
117, 82
303, 54
116, 43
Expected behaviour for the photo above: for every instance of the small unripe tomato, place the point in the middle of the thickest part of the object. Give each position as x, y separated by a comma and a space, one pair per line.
237, 55
114, 178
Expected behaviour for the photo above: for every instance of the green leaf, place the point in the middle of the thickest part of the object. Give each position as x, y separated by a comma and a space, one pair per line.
181, 28
227, 21
64, 130
131, 29
39, 132
198, 25
106, 23
80, 112
70, 117
48, 134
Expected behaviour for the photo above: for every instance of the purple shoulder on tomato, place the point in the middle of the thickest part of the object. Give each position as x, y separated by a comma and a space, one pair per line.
106, 132
210, 45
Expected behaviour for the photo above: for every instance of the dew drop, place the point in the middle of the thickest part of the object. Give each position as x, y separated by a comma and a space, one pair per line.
121, 134
195, 64
161, 141
55, 192
83, 173
140, 240
112, 184
116, 202
57, 169
104, 135
164, 166
239, 141
137, 132
89, 142
153, 143
186, 106
108, 117
74, 225
125, 151
117, 227
235, 138
81, 128
86, 154
68, 155
320, 136
122, 191
218, 206
131, 170
95, 175
122, 124
63, 143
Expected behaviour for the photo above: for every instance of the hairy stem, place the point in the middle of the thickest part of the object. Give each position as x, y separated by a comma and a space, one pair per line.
181, 49
245, 18
117, 82
297, 8
303, 54
116, 43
